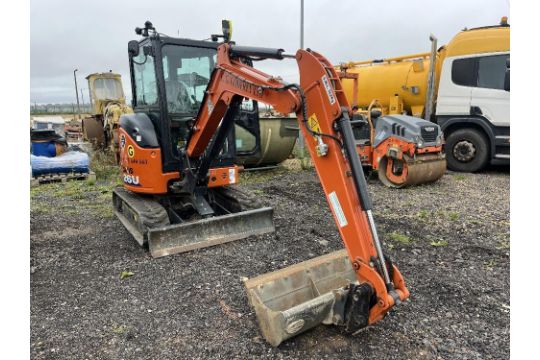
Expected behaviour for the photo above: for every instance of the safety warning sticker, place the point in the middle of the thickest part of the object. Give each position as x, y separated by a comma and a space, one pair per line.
313, 124
336, 208
329, 90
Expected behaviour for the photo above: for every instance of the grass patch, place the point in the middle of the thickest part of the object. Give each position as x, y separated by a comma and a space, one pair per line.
76, 197
490, 264
423, 214
460, 177
503, 245
453, 216
119, 329
439, 243
103, 210
104, 165
400, 238
39, 207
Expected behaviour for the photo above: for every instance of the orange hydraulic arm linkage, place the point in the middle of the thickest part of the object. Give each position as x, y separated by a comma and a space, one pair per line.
323, 115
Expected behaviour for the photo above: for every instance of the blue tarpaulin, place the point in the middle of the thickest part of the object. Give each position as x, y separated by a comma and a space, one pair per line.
71, 161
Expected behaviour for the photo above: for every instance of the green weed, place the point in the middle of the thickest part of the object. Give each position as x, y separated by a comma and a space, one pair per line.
119, 329
401, 238
503, 245
453, 216
439, 243
490, 264
423, 214
104, 165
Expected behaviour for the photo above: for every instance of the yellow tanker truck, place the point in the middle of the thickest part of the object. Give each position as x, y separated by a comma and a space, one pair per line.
465, 90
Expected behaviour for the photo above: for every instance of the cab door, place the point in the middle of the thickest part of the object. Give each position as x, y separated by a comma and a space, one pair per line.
455, 86
489, 96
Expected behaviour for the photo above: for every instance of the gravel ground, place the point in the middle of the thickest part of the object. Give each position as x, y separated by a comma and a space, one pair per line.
449, 239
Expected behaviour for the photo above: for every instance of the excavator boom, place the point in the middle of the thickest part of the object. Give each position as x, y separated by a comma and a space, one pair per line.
353, 289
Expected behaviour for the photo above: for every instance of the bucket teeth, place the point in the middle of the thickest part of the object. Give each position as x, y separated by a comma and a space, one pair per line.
292, 300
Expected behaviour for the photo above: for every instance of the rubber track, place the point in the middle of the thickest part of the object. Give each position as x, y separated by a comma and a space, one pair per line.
151, 213
245, 199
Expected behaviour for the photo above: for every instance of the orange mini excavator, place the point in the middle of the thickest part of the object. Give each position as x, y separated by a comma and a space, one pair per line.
177, 173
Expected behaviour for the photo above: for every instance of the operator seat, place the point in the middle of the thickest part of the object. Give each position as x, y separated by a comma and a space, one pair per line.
178, 99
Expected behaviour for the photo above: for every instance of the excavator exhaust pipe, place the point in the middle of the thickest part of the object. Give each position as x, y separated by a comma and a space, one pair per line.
295, 299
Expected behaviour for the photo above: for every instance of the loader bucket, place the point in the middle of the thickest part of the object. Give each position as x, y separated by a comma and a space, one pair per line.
297, 298
178, 238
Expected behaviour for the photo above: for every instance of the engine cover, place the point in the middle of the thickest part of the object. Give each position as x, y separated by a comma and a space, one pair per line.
408, 128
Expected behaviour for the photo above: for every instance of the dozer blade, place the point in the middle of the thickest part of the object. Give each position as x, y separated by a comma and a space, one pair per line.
211, 231
292, 300
421, 170
148, 222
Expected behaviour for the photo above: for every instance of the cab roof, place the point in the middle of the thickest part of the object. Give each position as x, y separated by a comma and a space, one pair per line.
105, 75
489, 39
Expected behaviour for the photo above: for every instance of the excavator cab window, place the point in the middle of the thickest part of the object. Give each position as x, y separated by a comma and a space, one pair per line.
169, 79
144, 77
186, 71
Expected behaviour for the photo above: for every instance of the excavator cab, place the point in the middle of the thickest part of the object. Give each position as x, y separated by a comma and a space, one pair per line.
169, 77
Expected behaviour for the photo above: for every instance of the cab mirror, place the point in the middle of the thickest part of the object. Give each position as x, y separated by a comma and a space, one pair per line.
133, 48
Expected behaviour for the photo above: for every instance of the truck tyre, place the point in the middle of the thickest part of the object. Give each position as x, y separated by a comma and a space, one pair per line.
466, 150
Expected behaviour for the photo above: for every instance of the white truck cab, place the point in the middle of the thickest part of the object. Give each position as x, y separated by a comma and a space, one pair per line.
473, 99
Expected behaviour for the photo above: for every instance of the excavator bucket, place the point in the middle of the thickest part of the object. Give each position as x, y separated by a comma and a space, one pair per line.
93, 131
297, 298
212, 231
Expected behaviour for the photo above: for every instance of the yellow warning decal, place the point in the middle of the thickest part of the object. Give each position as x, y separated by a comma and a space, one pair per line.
313, 124
131, 151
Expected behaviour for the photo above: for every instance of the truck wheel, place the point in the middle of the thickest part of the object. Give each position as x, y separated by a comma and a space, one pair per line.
466, 150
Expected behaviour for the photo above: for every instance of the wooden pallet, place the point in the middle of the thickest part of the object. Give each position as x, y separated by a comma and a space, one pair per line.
50, 178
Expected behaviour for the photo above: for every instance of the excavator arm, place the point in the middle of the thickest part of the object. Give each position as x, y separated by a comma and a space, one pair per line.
370, 285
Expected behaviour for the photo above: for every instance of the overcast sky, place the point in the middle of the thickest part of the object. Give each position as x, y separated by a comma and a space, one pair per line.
92, 36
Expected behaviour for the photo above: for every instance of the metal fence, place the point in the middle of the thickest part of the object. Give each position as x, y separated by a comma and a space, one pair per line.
42, 109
